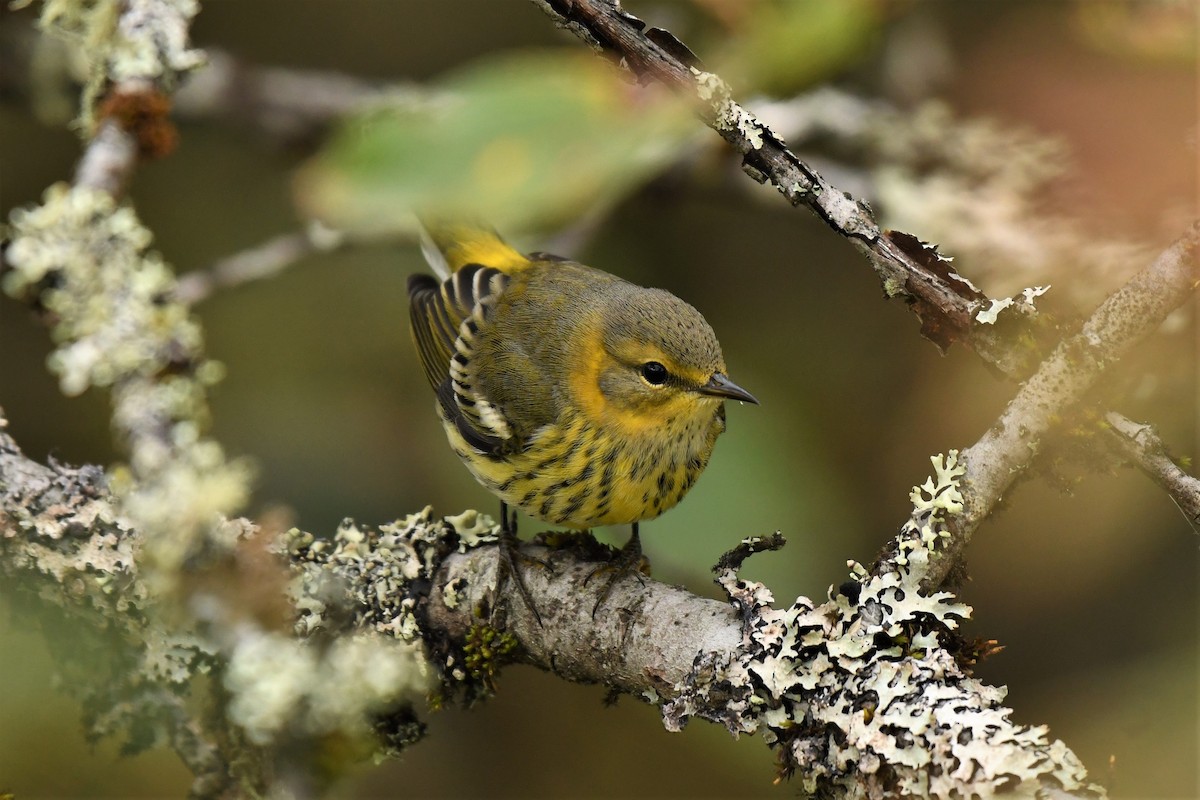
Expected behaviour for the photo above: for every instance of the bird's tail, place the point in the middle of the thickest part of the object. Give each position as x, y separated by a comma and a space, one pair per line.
450, 245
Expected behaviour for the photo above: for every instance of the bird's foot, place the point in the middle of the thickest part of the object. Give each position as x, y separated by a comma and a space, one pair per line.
510, 553
629, 561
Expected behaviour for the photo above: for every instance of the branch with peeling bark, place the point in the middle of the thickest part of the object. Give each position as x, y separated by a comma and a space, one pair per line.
949, 306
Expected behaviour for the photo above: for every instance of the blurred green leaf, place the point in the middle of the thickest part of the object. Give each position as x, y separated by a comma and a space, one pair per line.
519, 141
785, 47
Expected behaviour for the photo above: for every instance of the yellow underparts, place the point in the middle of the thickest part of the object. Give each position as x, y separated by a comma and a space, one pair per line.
596, 466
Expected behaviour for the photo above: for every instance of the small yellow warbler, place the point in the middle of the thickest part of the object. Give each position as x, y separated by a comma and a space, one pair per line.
569, 393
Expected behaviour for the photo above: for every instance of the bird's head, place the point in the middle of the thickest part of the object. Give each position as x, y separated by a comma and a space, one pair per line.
656, 362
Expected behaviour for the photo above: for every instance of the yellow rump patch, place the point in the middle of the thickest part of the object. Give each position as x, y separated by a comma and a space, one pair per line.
463, 243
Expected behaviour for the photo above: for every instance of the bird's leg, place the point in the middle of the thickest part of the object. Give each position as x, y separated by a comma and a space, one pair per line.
509, 552
628, 562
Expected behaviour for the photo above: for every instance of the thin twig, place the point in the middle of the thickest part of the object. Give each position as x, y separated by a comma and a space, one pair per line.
1140, 444
258, 263
291, 104
108, 161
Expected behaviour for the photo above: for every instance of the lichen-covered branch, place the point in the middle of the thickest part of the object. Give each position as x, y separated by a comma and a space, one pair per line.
68, 550
866, 694
200, 609
296, 641
84, 257
946, 307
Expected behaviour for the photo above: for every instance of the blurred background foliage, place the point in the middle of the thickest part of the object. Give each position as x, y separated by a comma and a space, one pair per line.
1090, 580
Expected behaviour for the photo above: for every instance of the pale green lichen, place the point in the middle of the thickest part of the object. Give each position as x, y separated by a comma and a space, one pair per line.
709, 86
110, 290
989, 315
381, 575
379, 568
116, 325
454, 592
112, 651
474, 529
124, 41
932, 503
727, 115
278, 684
1032, 292
862, 696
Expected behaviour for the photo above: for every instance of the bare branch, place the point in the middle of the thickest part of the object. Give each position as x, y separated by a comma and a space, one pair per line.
288, 103
1141, 445
267, 260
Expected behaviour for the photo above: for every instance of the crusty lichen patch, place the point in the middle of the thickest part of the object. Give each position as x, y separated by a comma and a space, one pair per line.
116, 325
279, 684
726, 114
62, 542
123, 41
862, 694
384, 572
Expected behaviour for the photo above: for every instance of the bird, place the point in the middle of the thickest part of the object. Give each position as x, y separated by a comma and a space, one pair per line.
571, 394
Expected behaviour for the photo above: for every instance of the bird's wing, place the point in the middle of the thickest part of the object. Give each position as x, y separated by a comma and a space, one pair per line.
438, 313
447, 319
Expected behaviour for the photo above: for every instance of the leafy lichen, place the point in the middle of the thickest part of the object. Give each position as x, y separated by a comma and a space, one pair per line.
862, 694
932, 503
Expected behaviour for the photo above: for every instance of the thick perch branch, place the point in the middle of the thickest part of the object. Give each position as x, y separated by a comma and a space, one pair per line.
878, 663
657, 632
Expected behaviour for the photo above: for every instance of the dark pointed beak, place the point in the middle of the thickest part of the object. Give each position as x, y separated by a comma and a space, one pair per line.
720, 386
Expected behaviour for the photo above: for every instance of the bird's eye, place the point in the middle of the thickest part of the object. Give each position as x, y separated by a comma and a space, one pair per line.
654, 373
